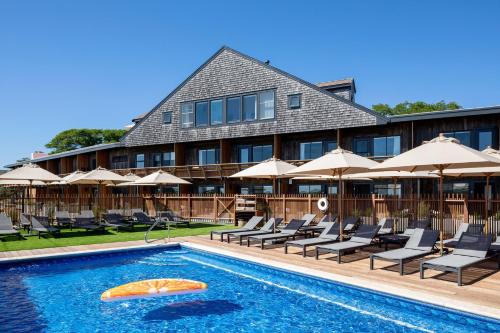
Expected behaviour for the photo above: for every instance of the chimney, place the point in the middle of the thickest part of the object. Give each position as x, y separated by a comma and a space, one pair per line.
344, 88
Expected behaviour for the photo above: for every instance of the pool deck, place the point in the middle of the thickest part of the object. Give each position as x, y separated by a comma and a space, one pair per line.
480, 294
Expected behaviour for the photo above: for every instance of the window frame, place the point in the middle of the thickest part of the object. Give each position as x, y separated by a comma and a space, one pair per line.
240, 109
259, 94
164, 113
192, 123
289, 99
136, 160
221, 111
207, 102
243, 119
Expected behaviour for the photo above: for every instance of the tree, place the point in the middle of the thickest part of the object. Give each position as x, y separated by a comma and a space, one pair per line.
415, 107
78, 138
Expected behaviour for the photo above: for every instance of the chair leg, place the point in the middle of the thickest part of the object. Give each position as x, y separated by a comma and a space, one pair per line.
286, 248
316, 254
371, 263
304, 251
422, 269
459, 277
248, 241
339, 255
211, 235
228, 239
221, 237
262, 244
401, 267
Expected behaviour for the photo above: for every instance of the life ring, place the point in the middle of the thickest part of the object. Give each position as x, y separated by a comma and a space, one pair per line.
153, 288
323, 204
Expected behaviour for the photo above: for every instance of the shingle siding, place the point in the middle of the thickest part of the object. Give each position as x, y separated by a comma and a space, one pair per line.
230, 73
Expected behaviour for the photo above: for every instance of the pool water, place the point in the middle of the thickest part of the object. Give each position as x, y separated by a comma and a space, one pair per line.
63, 295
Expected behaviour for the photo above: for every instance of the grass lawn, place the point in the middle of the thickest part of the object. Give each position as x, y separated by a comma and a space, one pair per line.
80, 237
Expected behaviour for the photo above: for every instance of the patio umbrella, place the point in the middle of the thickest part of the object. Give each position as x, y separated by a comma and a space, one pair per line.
20, 183
272, 168
131, 177
487, 172
30, 173
99, 176
440, 153
338, 162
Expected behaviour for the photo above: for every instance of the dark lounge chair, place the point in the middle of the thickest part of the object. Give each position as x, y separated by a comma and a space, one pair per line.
386, 226
267, 228
250, 225
117, 221
63, 219
475, 228
350, 223
41, 225
362, 238
401, 239
320, 226
7, 228
25, 222
291, 230
420, 244
141, 218
87, 223
331, 234
172, 218
471, 249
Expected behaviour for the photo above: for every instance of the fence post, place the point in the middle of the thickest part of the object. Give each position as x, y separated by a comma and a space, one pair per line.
309, 201
284, 207
215, 208
466, 210
189, 206
374, 209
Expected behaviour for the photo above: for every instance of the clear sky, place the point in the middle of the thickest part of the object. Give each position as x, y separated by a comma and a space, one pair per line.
97, 64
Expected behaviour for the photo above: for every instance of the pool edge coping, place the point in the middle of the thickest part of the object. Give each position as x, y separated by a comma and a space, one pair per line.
380, 287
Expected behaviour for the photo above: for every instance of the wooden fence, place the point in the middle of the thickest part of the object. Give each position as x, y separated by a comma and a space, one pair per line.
225, 208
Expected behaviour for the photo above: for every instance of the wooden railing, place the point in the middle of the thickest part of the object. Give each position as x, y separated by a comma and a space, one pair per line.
226, 209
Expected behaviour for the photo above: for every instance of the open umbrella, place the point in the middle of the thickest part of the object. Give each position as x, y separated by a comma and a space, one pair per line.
338, 162
99, 176
272, 168
31, 173
439, 153
479, 172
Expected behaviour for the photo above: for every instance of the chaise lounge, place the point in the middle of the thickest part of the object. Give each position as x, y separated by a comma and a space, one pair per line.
250, 225
464, 227
291, 230
87, 223
362, 238
63, 219
7, 228
172, 218
420, 244
267, 228
41, 225
330, 234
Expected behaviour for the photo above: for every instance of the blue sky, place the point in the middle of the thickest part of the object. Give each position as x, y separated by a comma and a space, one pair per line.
97, 64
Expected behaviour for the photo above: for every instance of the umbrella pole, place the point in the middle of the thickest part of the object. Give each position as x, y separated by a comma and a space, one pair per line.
486, 198
274, 212
339, 199
441, 211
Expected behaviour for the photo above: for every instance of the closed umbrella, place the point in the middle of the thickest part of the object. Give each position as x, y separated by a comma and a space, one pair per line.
338, 162
440, 153
272, 168
479, 172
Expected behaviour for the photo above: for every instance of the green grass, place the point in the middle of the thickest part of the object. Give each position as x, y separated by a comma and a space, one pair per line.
80, 237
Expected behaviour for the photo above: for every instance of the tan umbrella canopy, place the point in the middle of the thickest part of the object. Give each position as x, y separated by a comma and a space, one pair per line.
338, 162
440, 153
66, 179
160, 177
479, 172
99, 176
20, 183
131, 177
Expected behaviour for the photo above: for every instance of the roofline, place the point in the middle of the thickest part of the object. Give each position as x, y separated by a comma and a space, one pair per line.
84, 150
380, 117
445, 114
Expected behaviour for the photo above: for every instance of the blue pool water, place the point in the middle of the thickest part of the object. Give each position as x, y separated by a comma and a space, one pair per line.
63, 295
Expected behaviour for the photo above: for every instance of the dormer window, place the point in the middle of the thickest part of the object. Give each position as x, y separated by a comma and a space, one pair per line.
167, 117
294, 101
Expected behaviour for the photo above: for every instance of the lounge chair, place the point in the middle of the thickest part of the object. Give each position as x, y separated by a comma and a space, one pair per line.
116, 221
141, 218
401, 239
362, 238
250, 225
320, 226
63, 219
87, 213
172, 218
464, 227
6, 227
291, 230
87, 223
386, 226
267, 228
495, 247
420, 244
350, 223
41, 225
470, 250
25, 222
330, 234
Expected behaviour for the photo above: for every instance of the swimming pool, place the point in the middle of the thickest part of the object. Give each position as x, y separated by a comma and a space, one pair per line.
63, 295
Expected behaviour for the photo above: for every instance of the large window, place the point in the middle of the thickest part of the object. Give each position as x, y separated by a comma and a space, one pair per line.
463, 136
156, 160
216, 112
201, 116
233, 109
167, 117
208, 156
249, 107
266, 104
316, 189
139, 161
256, 189
119, 162
478, 139
210, 189
387, 189
485, 139
187, 115
382, 146
248, 153
168, 159
315, 149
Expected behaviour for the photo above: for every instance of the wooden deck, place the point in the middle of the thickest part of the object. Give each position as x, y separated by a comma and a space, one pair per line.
481, 289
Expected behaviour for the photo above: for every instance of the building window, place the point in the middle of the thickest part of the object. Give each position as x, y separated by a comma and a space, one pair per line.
201, 114
216, 112
294, 101
233, 110
266, 104
208, 156
245, 154
463, 136
330, 145
168, 159
387, 189
210, 189
386, 146
310, 189
187, 115
311, 150
167, 117
248, 154
119, 162
485, 139
156, 160
249, 107
139, 161
362, 147
256, 189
